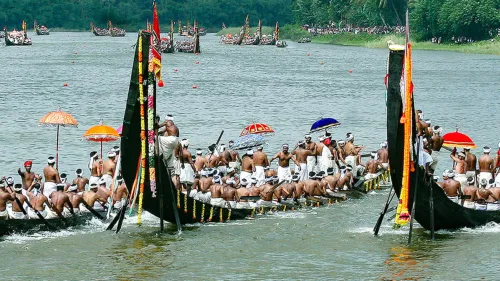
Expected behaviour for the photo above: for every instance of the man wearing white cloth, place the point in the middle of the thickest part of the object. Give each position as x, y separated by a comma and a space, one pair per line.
325, 155
108, 169
352, 153
486, 165
168, 141
284, 157
187, 167
216, 193
436, 144
460, 168
247, 166
301, 154
260, 161
95, 168
51, 176
311, 159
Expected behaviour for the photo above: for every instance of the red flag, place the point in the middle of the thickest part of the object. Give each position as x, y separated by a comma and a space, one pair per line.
155, 46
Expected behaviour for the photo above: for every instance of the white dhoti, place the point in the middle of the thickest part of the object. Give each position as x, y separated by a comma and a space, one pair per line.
262, 203
32, 214
51, 214
284, 174
304, 172
351, 160
234, 165
469, 204
187, 174
260, 175
385, 165
481, 207
311, 163
219, 202
203, 197
108, 179
497, 180
454, 199
462, 179
167, 146
66, 212
176, 168
495, 206
370, 176
484, 175
92, 180
119, 204
325, 161
16, 215
245, 175
232, 204
193, 193
242, 205
434, 156
49, 188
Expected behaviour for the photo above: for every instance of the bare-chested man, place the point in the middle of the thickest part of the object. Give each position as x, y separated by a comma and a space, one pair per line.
286, 192
469, 194
421, 124
51, 176
120, 194
235, 156
460, 168
471, 161
383, 155
313, 185
74, 197
486, 165
187, 167
267, 191
80, 180
61, 204
492, 204
108, 169
169, 141
247, 165
38, 202
483, 195
206, 181
216, 193
224, 159
335, 154
27, 176
372, 166
346, 178
241, 192
341, 153
95, 168
229, 193
331, 180
97, 196
436, 144
284, 157
301, 155
451, 187
260, 161
17, 209
311, 159
6, 195
352, 156
200, 163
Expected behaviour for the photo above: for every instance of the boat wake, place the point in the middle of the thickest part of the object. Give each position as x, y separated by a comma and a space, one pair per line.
490, 227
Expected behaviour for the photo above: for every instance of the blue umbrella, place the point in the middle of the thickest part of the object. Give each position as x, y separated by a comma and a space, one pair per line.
248, 141
323, 124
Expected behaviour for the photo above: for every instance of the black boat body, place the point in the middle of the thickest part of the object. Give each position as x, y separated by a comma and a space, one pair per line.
447, 214
42, 31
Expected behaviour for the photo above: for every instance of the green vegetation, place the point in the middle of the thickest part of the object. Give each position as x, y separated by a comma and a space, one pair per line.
133, 14
293, 32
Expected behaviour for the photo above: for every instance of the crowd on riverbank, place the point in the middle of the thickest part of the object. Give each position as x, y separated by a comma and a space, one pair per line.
333, 29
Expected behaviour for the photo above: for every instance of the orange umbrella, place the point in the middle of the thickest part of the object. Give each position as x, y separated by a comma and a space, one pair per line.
101, 133
56, 119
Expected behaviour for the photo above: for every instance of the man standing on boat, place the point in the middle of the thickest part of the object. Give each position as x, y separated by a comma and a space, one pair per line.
352, 153
260, 161
95, 168
311, 159
187, 167
471, 161
5, 196
247, 166
301, 156
324, 154
51, 176
486, 165
383, 155
460, 168
108, 169
27, 176
284, 157
168, 142
436, 143
235, 157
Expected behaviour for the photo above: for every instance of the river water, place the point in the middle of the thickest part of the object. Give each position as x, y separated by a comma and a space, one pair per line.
286, 88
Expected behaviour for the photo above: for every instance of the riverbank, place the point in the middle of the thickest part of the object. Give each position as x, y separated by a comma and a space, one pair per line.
236, 30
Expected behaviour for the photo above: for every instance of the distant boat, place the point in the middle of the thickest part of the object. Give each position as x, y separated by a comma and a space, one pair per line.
115, 31
190, 46
17, 38
41, 30
167, 44
271, 39
281, 44
98, 31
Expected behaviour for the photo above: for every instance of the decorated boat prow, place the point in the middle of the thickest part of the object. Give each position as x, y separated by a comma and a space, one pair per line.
17, 38
41, 29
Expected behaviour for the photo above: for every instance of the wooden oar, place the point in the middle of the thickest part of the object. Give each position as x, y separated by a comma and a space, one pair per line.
36, 212
121, 214
384, 211
92, 210
414, 192
113, 186
216, 144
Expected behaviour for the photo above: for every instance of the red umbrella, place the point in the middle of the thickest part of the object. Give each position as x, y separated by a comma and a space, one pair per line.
457, 139
257, 128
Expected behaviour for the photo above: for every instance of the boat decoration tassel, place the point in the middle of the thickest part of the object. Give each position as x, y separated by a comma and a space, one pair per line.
402, 213
202, 213
211, 214
194, 210
186, 204
143, 131
221, 218
178, 199
151, 133
228, 215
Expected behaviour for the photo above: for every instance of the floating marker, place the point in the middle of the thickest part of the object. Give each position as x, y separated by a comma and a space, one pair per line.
76, 52
308, 54
175, 69
160, 83
195, 87
321, 63
65, 85
197, 62
350, 71
73, 62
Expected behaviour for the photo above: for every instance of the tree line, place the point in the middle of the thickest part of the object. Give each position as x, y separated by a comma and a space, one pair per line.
475, 19
133, 14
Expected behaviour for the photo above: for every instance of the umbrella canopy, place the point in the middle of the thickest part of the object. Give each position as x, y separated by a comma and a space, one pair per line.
257, 128
101, 133
323, 124
248, 141
56, 119
457, 139
119, 130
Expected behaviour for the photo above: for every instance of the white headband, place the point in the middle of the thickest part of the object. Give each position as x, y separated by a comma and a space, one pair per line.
111, 154
250, 152
199, 151
349, 138
169, 117
307, 136
51, 160
185, 143
73, 187
486, 149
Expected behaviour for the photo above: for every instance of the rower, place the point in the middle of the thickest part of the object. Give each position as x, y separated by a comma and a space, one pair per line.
352, 153
421, 125
97, 196
301, 155
451, 187
486, 165
17, 210
94, 167
38, 201
229, 193
6, 195
331, 181
460, 168
230, 173
493, 205
311, 159
235, 156
27, 176
74, 197
260, 161
187, 167
372, 166
383, 155
266, 194
240, 192
168, 142
335, 155
346, 177
247, 165
108, 169
216, 193
51, 177
471, 161
312, 186
223, 160
60, 203
120, 194
324, 154
206, 182
284, 157
64, 180
469, 194
436, 143
80, 180
116, 150
483, 195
